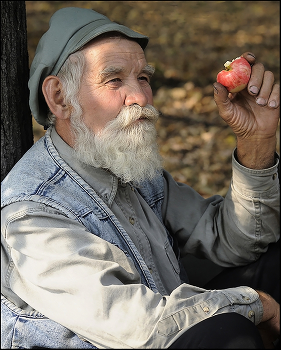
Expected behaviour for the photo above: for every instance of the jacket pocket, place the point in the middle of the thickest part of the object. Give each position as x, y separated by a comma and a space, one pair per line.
172, 257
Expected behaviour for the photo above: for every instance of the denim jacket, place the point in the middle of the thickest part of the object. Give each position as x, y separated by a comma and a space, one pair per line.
86, 207
56, 185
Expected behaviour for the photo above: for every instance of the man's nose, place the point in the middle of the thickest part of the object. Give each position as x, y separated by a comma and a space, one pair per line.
135, 95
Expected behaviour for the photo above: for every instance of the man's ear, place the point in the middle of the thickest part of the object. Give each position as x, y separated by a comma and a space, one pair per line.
52, 91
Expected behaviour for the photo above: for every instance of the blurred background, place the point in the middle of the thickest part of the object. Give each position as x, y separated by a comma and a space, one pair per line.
189, 43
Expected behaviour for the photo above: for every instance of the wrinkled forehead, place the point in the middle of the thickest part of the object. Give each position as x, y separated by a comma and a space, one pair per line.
113, 51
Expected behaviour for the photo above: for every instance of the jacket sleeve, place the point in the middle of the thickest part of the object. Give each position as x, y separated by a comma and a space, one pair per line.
91, 287
229, 231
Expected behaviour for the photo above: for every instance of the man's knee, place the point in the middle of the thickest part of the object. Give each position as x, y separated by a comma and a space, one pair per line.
224, 331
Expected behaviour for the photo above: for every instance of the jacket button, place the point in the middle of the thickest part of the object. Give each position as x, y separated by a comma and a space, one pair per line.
206, 309
251, 313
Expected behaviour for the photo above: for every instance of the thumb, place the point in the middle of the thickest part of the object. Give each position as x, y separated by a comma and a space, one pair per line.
223, 102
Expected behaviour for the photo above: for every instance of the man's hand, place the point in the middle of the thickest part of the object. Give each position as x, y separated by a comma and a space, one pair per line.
269, 327
253, 114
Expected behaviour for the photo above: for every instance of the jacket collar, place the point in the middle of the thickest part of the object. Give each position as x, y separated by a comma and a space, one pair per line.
104, 183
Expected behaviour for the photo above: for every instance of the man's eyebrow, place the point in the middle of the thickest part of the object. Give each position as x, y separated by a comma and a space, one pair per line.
149, 70
111, 70
108, 71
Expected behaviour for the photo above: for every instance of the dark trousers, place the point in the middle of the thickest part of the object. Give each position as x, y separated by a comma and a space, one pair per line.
233, 331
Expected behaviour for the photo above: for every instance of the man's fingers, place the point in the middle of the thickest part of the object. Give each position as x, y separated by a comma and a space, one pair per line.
256, 79
274, 99
250, 57
220, 94
266, 88
222, 100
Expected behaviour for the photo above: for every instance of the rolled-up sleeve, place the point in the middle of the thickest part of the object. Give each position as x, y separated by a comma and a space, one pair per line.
229, 231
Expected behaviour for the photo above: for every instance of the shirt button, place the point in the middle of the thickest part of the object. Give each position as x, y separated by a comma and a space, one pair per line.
245, 298
251, 313
274, 176
121, 183
206, 309
132, 220
132, 188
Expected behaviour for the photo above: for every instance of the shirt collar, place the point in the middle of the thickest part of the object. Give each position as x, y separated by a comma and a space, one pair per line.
102, 181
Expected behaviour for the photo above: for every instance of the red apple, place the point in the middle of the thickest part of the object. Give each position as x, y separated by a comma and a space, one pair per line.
236, 75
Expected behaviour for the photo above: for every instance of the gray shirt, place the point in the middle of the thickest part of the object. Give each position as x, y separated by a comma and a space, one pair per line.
103, 276
135, 215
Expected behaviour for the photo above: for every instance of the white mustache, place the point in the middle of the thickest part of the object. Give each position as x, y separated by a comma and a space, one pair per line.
130, 114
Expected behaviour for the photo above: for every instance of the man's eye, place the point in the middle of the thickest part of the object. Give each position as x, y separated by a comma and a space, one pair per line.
115, 80
144, 78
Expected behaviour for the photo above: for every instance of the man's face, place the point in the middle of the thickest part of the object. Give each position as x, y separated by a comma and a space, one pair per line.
116, 75
115, 128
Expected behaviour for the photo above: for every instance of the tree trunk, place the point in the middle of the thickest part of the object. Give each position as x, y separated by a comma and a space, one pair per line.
16, 120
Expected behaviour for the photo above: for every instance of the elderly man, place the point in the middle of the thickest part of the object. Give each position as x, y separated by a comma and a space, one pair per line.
93, 228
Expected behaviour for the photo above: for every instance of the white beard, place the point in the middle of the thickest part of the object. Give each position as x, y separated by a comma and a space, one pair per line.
126, 146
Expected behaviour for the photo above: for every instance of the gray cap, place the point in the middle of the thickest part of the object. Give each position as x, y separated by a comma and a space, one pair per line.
70, 29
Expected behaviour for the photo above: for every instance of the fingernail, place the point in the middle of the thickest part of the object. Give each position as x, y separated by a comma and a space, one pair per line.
250, 54
261, 101
254, 89
272, 104
215, 89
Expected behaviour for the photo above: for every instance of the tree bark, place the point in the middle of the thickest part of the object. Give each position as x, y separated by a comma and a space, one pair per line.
16, 120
